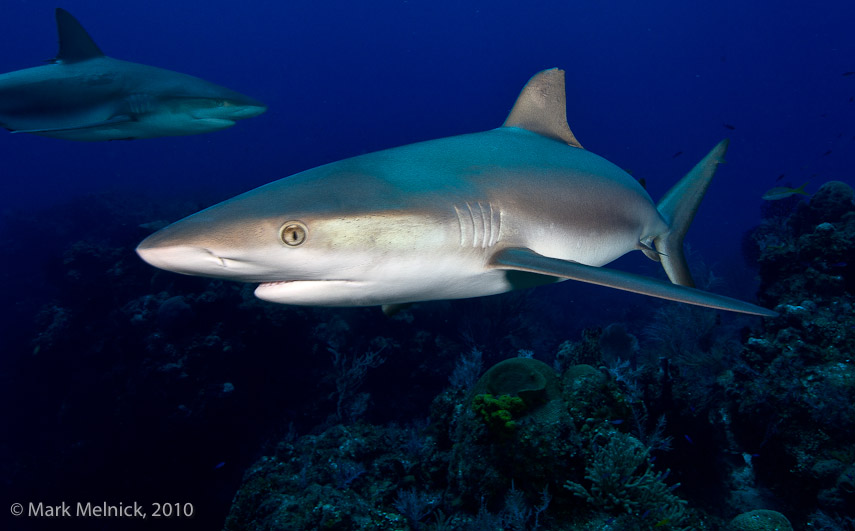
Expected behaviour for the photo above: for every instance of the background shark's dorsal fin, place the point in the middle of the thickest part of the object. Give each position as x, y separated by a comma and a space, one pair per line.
542, 107
74, 43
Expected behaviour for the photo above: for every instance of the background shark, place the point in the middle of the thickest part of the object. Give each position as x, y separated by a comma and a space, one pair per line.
84, 95
457, 217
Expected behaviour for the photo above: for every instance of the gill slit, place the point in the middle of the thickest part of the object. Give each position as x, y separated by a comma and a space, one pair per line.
479, 224
474, 227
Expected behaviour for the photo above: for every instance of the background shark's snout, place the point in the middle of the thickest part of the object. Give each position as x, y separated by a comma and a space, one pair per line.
242, 107
247, 111
231, 109
250, 109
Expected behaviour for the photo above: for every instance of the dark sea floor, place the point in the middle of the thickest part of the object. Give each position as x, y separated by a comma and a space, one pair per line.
522, 411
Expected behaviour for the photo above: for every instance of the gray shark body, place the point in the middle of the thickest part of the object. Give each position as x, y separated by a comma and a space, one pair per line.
84, 95
457, 217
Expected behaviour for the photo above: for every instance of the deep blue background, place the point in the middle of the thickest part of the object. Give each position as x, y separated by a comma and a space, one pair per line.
342, 78
644, 81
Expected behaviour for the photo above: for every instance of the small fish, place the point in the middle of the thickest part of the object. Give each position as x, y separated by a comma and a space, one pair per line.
849, 73
662, 522
728, 126
827, 153
851, 99
219, 465
677, 154
783, 192
779, 177
689, 439
616, 422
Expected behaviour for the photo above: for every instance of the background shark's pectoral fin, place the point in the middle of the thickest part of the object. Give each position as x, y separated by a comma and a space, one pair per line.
120, 119
520, 259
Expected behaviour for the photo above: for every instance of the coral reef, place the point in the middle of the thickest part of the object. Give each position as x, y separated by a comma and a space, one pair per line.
621, 480
473, 471
791, 400
670, 418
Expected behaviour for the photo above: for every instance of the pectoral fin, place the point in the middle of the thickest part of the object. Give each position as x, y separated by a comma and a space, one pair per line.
120, 119
520, 259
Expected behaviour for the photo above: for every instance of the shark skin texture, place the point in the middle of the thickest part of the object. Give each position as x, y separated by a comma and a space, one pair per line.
86, 96
465, 216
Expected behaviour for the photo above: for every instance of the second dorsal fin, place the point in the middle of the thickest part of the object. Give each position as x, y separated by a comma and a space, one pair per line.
542, 107
74, 43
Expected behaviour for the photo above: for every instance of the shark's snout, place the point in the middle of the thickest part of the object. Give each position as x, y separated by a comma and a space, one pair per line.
181, 248
173, 249
179, 258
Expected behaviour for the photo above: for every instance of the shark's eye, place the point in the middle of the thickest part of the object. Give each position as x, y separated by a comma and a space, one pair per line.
293, 233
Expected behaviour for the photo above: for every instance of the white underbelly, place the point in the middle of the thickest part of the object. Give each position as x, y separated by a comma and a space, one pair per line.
373, 292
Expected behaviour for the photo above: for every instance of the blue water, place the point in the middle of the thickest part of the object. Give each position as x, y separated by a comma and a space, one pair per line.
343, 78
644, 82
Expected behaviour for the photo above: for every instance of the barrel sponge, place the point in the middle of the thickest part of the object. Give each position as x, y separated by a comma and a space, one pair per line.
761, 520
533, 381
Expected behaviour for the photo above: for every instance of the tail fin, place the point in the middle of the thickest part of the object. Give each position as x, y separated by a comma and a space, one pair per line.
678, 208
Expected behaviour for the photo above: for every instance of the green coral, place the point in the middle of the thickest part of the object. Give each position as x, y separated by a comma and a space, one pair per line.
499, 413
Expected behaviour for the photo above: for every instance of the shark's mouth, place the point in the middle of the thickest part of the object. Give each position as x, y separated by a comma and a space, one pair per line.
274, 283
321, 292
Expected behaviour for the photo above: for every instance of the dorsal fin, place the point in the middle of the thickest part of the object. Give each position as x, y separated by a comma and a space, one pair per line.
542, 107
74, 43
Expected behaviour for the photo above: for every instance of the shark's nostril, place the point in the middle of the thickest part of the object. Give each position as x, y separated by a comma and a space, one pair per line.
217, 257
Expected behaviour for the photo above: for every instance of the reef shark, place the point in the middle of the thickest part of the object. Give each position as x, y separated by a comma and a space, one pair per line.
464, 216
84, 95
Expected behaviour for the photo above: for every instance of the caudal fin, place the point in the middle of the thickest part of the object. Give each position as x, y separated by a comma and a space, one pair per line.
678, 208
